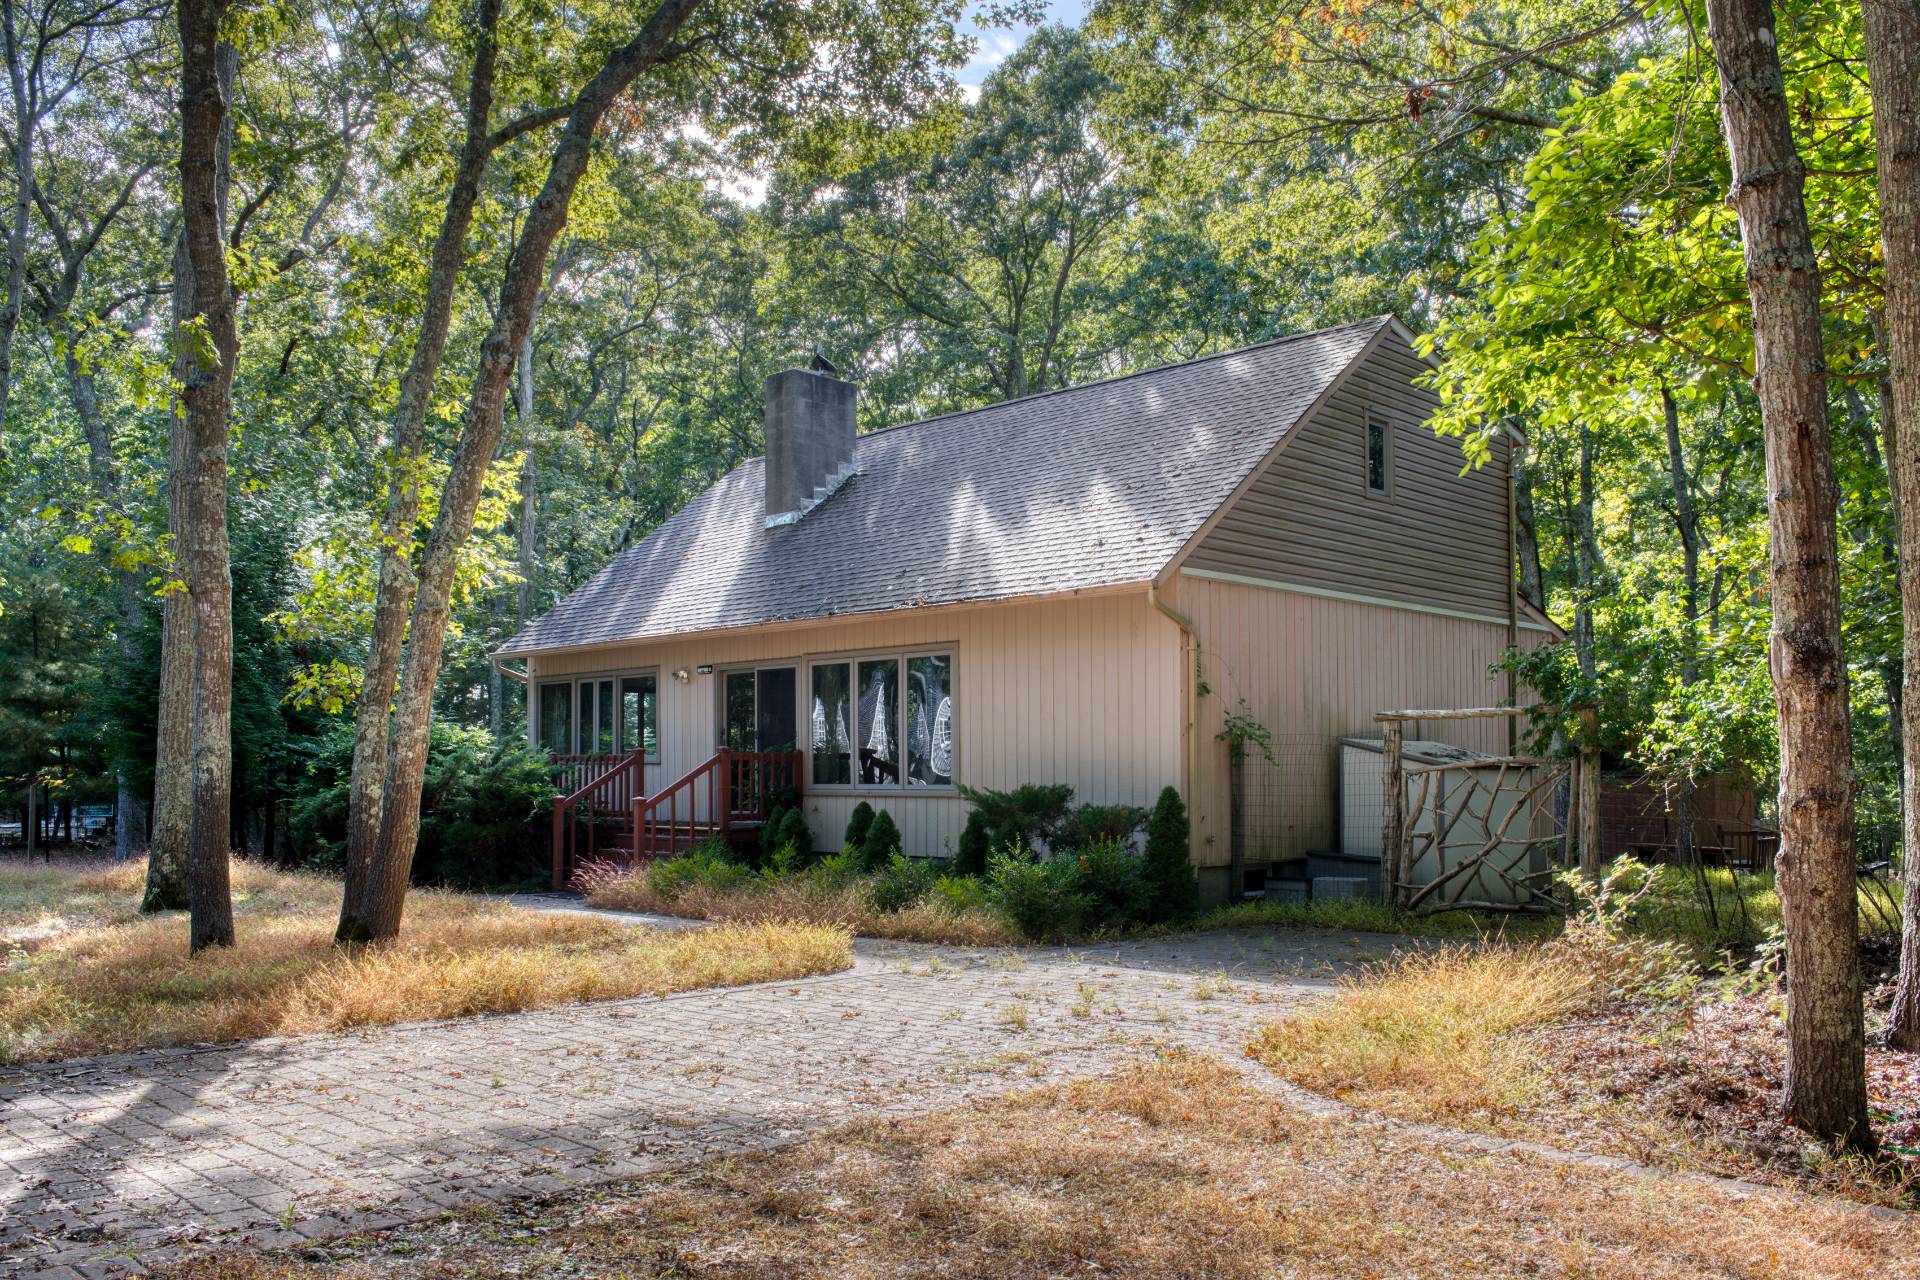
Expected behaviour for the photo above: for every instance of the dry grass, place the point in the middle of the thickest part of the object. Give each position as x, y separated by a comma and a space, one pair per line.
94, 980
1174, 1170
1433, 1035
801, 900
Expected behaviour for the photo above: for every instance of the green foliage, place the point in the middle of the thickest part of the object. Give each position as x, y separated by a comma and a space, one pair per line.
1093, 823
1112, 879
477, 808
901, 883
1044, 900
961, 894
708, 865
976, 846
1173, 891
881, 842
1028, 816
794, 833
857, 823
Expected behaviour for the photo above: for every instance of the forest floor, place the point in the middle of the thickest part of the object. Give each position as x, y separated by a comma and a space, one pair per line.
85, 973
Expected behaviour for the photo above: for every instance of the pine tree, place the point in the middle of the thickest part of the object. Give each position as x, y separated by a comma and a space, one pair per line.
881, 842
1174, 892
857, 825
976, 843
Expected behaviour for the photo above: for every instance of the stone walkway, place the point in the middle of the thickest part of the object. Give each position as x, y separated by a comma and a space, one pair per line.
108, 1164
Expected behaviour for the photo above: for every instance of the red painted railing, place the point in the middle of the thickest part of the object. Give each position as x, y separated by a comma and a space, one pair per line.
728, 790
603, 786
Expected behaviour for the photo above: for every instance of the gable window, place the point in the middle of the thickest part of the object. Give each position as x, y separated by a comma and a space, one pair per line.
882, 721
601, 715
1379, 454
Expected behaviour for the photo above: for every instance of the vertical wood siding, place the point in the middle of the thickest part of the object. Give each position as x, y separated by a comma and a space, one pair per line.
1312, 670
1435, 538
1084, 691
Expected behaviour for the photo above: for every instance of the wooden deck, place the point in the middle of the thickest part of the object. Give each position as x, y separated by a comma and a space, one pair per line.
608, 815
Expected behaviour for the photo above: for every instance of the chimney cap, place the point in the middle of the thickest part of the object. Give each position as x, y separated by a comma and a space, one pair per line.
820, 364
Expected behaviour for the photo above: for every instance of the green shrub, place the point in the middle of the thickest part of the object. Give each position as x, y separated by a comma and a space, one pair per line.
976, 846
1031, 815
477, 807
882, 841
902, 882
1111, 876
792, 832
1043, 900
857, 824
960, 894
1172, 891
837, 870
704, 865
1111, 822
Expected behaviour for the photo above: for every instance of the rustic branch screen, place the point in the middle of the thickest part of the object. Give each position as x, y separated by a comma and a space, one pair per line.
1480, 831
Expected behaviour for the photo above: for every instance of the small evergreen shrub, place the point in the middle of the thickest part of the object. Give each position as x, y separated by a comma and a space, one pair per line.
857, 824
1043, 900
1112, 878
1093, 823
793, 832
837, 870
976, 846
1173, 893
901, 883
882, 841
1032, 815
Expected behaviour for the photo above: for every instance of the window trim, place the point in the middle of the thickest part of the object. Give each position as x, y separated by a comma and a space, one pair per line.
573, 682
852, 658
1384, 420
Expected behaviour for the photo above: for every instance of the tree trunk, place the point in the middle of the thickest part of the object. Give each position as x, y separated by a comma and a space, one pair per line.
1586, 562
207, 395
25, 119
1893, 67
397, 582
1826, 1042
1686, 520
479, 436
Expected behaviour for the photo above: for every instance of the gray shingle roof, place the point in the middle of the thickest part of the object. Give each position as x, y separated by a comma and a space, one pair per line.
1092, 486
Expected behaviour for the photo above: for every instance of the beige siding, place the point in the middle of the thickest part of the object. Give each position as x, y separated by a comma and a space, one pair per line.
1436, 538
1311, 670
1085, 691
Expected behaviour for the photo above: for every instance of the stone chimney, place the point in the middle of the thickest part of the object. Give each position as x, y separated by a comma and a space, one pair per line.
810, 428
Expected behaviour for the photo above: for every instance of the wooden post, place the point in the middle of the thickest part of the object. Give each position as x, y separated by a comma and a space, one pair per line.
1392, 831
1590, 792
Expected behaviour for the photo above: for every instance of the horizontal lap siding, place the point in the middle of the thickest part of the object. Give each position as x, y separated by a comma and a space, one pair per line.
1313, 670
1437, 538
1085, 691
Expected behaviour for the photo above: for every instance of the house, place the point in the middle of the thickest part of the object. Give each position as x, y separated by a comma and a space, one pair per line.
1079, 586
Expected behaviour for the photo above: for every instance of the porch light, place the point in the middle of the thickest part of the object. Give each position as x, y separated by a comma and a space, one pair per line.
705, 668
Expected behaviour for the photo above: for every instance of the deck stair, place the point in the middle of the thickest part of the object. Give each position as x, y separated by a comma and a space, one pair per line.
609, 818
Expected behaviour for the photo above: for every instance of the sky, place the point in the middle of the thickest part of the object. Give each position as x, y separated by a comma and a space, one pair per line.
994, 45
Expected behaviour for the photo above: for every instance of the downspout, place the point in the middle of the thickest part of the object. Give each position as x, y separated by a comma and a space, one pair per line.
1189, 646
1514, 451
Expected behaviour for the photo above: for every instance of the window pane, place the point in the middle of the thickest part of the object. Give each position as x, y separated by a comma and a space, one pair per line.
640, 715
556, 718
930, 721
1377, 456
879, 739
830, 729
603, 720
739, 709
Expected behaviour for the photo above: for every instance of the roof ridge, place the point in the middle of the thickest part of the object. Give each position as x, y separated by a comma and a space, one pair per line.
1380, 319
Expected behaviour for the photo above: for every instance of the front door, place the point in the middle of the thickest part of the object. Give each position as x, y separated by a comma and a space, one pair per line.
762, 710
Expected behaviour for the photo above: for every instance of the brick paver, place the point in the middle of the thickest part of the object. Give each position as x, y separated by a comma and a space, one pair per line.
109, 1163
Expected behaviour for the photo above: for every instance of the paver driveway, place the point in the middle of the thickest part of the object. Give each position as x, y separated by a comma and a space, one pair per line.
112, 1162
